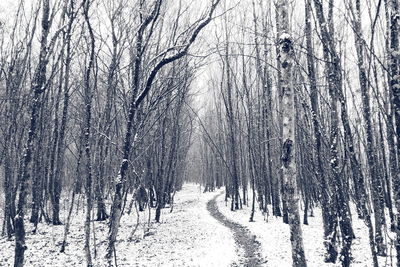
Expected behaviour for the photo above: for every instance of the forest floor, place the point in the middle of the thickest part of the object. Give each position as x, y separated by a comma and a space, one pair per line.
187, 236
200, 231
274, 237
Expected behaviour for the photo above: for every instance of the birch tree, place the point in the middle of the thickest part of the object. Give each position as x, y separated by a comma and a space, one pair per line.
288, 159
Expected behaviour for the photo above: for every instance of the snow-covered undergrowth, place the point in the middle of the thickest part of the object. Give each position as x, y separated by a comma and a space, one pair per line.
188, 236
274, 236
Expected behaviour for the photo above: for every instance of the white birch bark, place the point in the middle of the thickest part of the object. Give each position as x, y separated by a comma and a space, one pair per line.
286, 61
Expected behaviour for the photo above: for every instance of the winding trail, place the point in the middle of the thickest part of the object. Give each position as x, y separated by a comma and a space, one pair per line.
243, 238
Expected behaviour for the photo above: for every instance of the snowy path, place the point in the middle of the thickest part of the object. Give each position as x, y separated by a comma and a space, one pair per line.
243, 238
201, 231
187, 237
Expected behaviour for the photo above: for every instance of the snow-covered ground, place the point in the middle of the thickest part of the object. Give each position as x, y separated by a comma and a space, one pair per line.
274, 237
188, 236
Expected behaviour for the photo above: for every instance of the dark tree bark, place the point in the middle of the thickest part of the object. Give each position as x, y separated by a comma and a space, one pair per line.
326, 206
88, 95
342, 214
38, 87
392, 7
232, 132
371, 151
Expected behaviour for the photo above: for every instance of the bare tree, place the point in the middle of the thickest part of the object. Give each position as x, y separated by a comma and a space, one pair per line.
38, 87
88, 94
286, 61
137, 98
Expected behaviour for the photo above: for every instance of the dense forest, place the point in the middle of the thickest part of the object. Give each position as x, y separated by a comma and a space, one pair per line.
108, 108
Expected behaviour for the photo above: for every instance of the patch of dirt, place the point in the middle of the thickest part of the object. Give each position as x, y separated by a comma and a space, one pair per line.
243, 238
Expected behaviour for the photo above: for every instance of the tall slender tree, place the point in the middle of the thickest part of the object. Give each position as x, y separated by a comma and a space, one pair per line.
288, 158
38, 86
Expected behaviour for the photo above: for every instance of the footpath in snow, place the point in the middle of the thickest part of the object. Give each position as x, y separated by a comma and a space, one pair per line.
247, 246
200, 231
274, 237
189, 236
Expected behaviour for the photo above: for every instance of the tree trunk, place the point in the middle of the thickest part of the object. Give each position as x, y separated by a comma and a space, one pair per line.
392, 7
228, 101
371, 156
326, 206
88, 94
288, 155
333, 70
38, 87
376, 189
